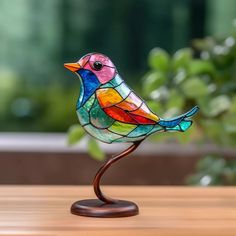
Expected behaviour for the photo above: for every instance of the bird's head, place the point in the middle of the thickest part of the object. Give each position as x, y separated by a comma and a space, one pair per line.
94, 65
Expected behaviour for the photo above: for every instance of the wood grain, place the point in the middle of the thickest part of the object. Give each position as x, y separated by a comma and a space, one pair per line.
167, 211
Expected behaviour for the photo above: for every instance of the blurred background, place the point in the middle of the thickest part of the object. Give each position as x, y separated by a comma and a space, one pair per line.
176, 54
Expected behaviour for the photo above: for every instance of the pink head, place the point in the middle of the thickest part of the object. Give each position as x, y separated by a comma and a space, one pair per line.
97, 63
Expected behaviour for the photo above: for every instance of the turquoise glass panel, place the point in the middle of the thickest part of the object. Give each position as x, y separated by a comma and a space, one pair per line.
127, 139
156, 128
83, 116
89, 103
140, 130
98, 117
185, 124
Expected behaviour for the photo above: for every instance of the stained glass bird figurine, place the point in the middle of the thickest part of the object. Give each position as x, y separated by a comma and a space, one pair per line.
111, 112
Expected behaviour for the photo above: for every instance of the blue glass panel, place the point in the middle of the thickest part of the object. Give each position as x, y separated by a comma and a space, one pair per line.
89, 84
192, 112
170, 123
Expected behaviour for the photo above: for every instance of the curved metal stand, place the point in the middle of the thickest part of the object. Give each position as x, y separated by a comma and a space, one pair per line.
105, 206
101, 171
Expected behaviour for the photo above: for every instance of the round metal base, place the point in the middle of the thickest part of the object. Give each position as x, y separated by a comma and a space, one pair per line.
97, 208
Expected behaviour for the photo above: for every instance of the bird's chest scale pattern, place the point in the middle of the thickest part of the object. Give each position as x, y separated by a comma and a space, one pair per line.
98, 124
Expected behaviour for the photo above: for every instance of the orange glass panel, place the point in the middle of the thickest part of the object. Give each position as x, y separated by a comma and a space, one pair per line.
145, 112
108, 97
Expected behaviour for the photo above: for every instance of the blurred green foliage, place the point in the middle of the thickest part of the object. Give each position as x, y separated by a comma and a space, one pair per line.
37, 37
213, 170
29, 109
203, 75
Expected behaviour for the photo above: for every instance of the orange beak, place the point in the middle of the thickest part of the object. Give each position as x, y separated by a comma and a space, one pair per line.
72, 66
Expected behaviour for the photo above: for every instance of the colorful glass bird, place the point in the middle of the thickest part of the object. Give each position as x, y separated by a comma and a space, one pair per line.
110, 111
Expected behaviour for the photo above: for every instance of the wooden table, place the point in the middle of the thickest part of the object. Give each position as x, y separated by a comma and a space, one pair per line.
179, 211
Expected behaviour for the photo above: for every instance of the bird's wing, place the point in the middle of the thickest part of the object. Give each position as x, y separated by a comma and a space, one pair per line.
130, 109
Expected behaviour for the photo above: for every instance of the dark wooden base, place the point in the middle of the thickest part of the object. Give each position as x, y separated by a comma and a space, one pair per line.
97, 208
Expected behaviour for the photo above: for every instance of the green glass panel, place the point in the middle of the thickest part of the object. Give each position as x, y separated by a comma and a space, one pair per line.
83, 116
140, 130
123, 90
99, 118
122, 128
89, 103
103, 135
116, 81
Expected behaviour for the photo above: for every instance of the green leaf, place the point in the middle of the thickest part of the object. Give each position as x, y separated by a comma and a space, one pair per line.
155, 106
180, 76
175, 100
75, 133
159, 59
182, 58
205, 44
205, 163
160, 94
194, 179
194, 87
213, 129
190, 136
198, 67
218, 105
233, 105
230, 173
217, 168
94, 150
153, 81
229, 122
202, 179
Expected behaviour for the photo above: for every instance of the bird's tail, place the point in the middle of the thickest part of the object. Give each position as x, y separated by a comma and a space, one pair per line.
180, 123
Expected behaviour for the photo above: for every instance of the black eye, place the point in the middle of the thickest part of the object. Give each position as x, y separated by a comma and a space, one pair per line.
97, 65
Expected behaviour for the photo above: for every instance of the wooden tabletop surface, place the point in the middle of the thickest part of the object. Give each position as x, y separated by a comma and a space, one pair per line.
178, 211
